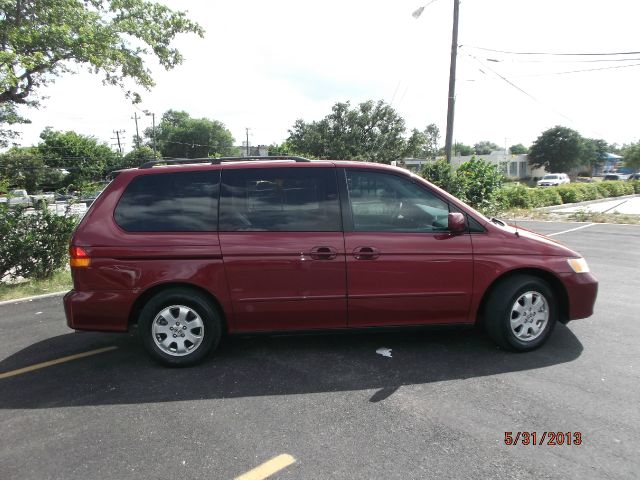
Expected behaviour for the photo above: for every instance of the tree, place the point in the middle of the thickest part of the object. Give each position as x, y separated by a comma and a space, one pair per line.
83, 156
371, 131
557, 149
25, 168
518, 149
485, 147
631, 155
42, 39
462, 150
593, 152
432, 134
180, 136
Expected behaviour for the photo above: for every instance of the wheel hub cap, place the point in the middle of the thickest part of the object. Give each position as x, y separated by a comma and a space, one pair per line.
177, 330
529, 316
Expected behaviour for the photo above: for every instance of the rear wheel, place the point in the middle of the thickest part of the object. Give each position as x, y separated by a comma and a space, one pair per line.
521, 313
179, 327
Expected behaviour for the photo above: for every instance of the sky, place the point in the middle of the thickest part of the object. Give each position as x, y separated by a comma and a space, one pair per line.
264, 64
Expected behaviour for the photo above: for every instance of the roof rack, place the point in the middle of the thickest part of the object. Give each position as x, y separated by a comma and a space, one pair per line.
218, 161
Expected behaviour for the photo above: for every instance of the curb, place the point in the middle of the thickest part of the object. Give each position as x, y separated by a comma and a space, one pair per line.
35, 297
587, 202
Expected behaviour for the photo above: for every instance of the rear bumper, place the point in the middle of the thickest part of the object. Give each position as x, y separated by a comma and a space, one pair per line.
582, 290
105, 311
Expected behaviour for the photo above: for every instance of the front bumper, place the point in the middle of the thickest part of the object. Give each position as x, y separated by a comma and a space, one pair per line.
582, 291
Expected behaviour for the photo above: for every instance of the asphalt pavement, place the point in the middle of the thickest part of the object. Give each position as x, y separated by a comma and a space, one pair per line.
93, 406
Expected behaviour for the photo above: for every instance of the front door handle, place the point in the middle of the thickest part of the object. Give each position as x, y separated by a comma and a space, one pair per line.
323, 253
366, 253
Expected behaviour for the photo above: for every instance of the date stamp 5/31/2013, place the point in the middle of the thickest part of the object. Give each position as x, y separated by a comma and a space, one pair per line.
543, 438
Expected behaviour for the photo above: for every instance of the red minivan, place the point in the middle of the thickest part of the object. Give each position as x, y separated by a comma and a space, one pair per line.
188, 250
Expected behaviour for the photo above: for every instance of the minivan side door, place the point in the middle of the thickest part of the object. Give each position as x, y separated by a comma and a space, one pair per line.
403, 266
283, 248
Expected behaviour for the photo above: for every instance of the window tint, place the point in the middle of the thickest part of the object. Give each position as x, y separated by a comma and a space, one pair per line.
170, 202
382, 202
280, 199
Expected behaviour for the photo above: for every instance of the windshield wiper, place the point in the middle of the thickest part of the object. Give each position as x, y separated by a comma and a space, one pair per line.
497, 221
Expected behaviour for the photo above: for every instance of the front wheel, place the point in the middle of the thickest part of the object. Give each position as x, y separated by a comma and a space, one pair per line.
179, 327
521, 313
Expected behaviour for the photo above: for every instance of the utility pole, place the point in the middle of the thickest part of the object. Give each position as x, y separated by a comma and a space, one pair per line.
136, 117
247, 130
153, 127
452, 80
117, 133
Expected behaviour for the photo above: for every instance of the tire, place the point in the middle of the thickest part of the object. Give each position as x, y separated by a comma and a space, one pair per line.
179, 327
521, 313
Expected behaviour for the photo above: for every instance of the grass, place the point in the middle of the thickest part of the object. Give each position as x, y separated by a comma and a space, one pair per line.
60, 281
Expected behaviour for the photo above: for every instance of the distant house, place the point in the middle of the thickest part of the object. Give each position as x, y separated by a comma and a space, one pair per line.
512, 166
259, 151
610, 161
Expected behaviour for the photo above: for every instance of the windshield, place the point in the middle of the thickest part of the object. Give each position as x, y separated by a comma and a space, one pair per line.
550, 177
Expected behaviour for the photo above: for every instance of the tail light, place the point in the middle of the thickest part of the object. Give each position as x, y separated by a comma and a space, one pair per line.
78, 257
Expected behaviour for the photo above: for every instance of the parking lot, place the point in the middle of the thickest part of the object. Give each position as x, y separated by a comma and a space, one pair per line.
91, 405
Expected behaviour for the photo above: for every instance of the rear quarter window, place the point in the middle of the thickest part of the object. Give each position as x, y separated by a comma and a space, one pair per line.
170, 202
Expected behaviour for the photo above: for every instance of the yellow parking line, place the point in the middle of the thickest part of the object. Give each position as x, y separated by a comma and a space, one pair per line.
268, 468
57, 361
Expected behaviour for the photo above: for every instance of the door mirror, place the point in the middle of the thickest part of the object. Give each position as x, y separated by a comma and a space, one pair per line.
456, 223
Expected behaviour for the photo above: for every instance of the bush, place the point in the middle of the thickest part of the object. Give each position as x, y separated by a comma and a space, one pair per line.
544, 197
636, 186
34, 244
480, 182
569, 193
476, 182
440, 173
515, 196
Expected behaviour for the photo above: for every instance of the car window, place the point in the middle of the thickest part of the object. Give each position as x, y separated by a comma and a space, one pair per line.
280, 199
170, 202
382, 202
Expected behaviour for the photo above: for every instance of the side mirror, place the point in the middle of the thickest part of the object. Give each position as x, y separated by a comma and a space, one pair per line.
456, 223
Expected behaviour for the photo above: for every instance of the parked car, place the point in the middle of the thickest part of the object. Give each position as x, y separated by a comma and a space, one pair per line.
616, 176
634, 176
20, 197
553, 180
187, 252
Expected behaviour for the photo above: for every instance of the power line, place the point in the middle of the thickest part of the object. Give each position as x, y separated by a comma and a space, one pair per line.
552, 53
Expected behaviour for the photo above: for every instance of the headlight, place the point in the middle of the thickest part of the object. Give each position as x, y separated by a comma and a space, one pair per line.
578, 265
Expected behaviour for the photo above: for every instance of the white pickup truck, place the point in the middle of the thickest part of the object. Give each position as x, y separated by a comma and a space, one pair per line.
22, 198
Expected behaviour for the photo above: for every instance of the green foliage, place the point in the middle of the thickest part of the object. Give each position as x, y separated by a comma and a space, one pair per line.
25, 168
515, 196
441, 174
485, 147
462, 150
423, 144
475, 182
43, 39
557, 150
137, 157
519, 196
180, 136
593, 152
518, 149
33, 245
9, 116
631, 155
83, 156
371, 131
479, 182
